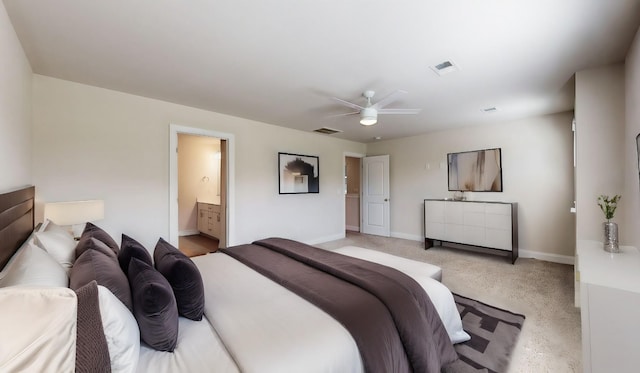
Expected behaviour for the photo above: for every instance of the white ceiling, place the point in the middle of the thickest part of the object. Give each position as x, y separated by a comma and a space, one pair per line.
280, 61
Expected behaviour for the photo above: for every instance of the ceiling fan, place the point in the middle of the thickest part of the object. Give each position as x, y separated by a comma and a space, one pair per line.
369, 113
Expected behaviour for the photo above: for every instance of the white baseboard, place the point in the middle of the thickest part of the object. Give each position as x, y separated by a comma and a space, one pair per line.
318, 240
555, 258
547, 257
188, 232
354, 228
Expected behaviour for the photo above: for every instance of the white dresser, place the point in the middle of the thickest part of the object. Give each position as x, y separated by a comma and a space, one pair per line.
492, 225
609, 307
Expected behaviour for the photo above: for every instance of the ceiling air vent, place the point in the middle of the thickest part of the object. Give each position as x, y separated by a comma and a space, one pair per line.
444, 67
327, 131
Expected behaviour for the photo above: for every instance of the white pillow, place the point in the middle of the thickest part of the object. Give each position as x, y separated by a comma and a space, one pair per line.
15, 256
49, 226
38, 329
121, 331
43, 226
59, 244
32, 266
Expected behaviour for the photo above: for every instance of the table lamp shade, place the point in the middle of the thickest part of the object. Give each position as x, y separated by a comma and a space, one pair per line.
74, 212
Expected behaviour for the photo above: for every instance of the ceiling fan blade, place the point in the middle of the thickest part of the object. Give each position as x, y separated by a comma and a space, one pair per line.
399, 111
347, 103
389, 99
343, 114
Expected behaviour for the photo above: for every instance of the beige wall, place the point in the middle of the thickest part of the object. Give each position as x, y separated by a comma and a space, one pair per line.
97, 143
600, 131
537, 161
15, 109
631, 228
198, 178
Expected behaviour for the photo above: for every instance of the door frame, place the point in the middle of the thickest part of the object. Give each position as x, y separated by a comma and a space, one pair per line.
344, 172
174, 130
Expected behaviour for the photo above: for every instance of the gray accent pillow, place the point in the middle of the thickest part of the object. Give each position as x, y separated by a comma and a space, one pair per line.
91, 243
130, 248
154, 306
93, 230
96, 265
184, 277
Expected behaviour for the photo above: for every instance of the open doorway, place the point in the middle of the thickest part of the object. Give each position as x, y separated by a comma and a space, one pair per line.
352, 181
200, 189
352, 195
372, 183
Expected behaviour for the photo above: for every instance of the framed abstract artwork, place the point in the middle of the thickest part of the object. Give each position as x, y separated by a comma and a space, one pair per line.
475, 171
298, 174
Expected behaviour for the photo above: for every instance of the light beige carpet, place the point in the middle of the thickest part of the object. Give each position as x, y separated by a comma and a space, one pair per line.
542, 291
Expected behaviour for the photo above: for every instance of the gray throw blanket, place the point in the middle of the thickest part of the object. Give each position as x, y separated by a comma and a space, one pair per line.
388, 314
92, 352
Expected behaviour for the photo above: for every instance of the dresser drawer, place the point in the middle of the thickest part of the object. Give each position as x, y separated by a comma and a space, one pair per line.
434, 211
474, 219
498, 238
498, 221
498, 208
474, 207
434, 230
454, 213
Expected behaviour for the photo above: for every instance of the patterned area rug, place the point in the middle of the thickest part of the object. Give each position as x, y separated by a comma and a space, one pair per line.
493, 332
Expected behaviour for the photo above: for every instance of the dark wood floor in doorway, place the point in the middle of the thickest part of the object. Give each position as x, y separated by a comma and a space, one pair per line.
197, 244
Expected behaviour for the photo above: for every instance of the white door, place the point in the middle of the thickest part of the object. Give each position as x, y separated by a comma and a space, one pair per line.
375, 196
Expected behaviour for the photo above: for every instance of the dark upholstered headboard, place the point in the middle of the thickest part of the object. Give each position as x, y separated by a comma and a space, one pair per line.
16, 220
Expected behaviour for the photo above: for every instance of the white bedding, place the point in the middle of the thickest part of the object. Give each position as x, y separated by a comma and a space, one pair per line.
407, 266
267, 328
37, 329
199, 349
426, 275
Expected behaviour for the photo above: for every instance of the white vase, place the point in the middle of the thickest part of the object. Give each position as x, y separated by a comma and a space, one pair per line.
610, 237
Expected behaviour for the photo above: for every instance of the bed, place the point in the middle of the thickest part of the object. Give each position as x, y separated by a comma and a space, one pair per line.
250, 322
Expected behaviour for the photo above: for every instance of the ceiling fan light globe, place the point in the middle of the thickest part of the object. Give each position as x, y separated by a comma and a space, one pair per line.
368, 121
368, 116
